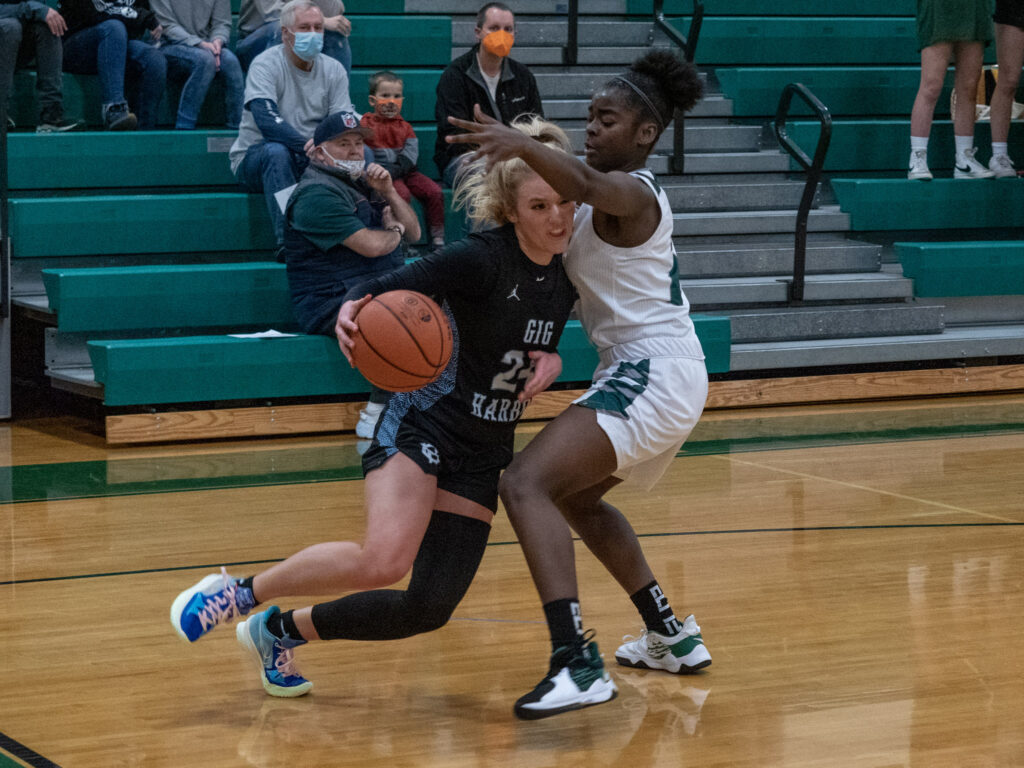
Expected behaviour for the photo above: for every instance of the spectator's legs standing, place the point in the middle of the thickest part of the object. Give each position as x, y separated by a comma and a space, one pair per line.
10, 42
49, 80
257, 41
102, 50
934, 60
147, 72
429, 194
234, 87
1010, 53
197, 67
269, 167
970, 57
336, 46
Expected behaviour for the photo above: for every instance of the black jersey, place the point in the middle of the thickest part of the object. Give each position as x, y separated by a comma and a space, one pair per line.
502, 306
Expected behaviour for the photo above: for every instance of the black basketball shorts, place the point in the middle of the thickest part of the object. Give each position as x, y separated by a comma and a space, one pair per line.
467, 470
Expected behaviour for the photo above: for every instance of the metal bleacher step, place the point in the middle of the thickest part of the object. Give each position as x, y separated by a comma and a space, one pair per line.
801, 323
598, 55
956, 343
698, 137
553, 32
568, 83
705, 194
824, 219
774, 258
764, 161
713, 105
707, 294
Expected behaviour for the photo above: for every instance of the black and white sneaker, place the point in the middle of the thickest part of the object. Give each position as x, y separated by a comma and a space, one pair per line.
966, 167
58, 126
575, 679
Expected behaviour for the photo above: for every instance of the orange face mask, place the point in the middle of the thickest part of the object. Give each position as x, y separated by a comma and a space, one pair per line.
387, 107
499, 42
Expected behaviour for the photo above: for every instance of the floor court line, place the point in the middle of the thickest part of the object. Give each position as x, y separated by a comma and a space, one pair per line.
662, 534
869, 489
21, 752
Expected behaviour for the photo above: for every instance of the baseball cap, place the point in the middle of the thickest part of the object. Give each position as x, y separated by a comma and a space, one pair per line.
334, 125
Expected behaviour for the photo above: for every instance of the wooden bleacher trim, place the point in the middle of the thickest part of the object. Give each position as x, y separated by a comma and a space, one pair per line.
338, 417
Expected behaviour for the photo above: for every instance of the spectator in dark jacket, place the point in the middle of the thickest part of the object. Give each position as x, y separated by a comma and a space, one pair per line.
105, 38
31, 29
485, 75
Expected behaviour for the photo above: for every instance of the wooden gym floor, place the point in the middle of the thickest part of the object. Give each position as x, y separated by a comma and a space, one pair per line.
858, 572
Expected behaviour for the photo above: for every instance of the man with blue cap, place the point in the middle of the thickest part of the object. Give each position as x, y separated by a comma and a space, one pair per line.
344, 222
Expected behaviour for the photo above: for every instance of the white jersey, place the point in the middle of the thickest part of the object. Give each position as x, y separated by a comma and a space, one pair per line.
631, 294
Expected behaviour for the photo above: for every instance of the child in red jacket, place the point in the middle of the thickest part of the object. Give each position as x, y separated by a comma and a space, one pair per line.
396, 147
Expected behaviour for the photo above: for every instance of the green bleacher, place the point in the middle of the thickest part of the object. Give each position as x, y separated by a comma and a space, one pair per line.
131, 224
873, 145
976, 268
754, 40
845, 90
779, 8
899, 204
252, 294
219, 368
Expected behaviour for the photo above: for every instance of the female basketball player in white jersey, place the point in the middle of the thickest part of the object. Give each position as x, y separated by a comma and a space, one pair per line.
647, 393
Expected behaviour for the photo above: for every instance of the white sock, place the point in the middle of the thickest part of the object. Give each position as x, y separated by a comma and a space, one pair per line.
998, 148
918, 142
963, 143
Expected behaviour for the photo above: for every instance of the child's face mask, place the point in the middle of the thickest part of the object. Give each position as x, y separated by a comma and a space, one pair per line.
499, 42
387, 107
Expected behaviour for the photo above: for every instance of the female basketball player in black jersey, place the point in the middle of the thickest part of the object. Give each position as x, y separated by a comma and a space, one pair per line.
432, 469
647, 393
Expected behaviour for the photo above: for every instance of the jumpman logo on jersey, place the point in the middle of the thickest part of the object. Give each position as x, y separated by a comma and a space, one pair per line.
514, 294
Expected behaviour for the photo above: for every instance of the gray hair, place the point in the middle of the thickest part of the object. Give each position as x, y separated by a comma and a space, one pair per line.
291, 10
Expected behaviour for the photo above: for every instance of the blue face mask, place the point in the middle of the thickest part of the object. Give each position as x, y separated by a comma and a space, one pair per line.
308, 45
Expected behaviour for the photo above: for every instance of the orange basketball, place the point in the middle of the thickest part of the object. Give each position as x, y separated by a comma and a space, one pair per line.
404, 341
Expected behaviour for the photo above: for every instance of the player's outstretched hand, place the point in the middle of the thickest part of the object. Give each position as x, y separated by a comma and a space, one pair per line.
544, 369
346, 324
495, 142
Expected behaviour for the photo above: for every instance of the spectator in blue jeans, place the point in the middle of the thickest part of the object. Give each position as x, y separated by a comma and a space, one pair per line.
259, 28
195, 38
105, 38
32, 29
289, 90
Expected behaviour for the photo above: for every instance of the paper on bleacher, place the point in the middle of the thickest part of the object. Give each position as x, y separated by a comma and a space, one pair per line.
271, 334
283, 195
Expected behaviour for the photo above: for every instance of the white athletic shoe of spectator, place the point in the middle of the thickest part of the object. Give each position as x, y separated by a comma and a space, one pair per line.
967, 167
919, 166
1001, 166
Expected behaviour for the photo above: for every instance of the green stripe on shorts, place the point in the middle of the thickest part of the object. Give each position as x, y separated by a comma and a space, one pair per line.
617, 393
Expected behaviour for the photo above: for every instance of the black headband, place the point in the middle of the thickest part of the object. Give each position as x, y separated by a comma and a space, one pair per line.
646, 100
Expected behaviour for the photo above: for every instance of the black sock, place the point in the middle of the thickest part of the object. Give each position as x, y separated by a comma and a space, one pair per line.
655, 611
564, 622
284, 624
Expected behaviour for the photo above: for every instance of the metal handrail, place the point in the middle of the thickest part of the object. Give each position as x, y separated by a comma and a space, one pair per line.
813, 168
571, 52
5, 238
688, 45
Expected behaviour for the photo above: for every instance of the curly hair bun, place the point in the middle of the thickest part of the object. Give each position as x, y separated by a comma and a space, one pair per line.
676, 80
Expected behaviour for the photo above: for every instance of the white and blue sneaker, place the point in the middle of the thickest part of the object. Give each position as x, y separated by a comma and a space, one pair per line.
680, 654
575, 679
274, 655
203, 606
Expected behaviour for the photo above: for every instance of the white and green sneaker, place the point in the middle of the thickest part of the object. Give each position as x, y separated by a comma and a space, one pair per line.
575, 679
679, 654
